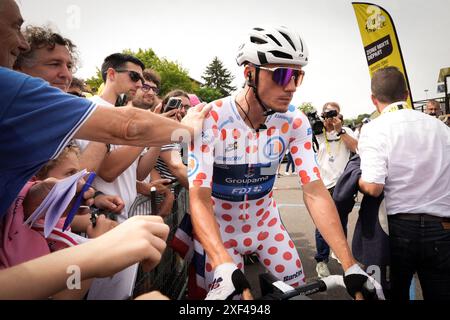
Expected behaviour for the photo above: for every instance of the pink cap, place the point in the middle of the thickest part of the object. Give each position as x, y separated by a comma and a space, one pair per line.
194, 100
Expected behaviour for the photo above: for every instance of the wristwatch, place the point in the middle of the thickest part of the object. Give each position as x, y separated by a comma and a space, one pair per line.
341, 132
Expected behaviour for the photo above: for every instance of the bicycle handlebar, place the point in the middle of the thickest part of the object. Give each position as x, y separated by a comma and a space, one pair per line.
273, 289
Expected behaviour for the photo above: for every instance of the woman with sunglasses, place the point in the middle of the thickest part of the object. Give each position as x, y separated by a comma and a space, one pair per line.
232, 169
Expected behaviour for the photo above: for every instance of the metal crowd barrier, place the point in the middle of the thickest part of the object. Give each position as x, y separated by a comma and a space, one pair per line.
170, 276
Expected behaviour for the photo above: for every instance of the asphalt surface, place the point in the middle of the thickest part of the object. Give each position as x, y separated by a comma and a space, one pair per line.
289, 198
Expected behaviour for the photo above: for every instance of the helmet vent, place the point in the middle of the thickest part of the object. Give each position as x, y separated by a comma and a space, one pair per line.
258, 40
288, 39
274, 39
258, 29
280, 54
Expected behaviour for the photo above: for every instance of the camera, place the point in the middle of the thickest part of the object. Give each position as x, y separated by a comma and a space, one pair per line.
173, 103
330, 114
316, 123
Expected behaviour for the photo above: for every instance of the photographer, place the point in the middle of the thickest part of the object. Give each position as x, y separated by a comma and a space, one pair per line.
335, 143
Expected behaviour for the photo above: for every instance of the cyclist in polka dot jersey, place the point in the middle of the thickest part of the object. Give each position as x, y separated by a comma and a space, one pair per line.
233, 164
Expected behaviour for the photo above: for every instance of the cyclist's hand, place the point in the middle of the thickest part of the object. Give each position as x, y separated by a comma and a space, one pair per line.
356, 280
228, 282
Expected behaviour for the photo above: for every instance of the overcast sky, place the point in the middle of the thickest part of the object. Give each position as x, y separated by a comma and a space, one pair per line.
192, 32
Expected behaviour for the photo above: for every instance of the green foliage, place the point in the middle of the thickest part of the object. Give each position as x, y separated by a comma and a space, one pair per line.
95, 82
173, 75
208, 94
307, 107
218, 77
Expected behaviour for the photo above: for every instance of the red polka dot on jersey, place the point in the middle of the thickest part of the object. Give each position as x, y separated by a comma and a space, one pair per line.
271, 194
223, 134
287, 256
244, 206
239, 265
272, 222
294, 150
205, 148
279, 268
219, 103
244, 217
248, 242
272, 250
236, 133
227, 245
201, 176
317, 172
260, 247
282, 227
271, 131
246, 228
226, 206
279, 237
291, 244
233, 243
198, 183
259, 212
295, 285
263, 236
307, 145
267, 262
285, 127
227, 217
265, 216
298, 162
214, 115
191, 146
274, 203
260, 202
215, 130
298, 263
306, 179
229, 229
260, 223
297, 123
208, 267
291, 140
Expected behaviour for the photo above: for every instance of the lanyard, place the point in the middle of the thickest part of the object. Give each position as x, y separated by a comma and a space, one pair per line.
327, 143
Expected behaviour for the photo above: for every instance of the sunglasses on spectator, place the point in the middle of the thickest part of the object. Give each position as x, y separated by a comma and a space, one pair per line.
146, 88
74, 93
282, 76
134, 76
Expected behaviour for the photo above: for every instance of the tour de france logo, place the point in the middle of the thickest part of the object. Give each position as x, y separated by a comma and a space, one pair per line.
376, 19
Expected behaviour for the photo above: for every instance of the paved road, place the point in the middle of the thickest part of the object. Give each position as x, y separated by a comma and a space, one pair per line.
298, 222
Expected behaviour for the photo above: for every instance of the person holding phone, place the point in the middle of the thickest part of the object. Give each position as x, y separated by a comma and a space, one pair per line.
169, 164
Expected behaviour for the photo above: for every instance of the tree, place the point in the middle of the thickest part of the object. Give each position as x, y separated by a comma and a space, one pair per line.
307, 107
208, 94
218, 77
173, 75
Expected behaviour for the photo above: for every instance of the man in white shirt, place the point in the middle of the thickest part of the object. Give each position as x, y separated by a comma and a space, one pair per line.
335, 145
396, 151
122, 165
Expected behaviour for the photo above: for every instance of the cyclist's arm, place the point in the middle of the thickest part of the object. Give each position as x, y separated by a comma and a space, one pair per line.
325, 216
205, 225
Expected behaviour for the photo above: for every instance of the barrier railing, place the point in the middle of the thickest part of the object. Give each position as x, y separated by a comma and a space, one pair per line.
170, 276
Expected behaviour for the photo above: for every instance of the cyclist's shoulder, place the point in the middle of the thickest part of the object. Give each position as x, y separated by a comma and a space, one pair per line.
292, 117
219, 108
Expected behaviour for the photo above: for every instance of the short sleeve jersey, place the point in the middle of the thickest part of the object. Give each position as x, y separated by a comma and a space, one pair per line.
240, 164
36, 122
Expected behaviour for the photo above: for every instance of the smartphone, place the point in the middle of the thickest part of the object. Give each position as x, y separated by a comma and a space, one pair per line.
173, 103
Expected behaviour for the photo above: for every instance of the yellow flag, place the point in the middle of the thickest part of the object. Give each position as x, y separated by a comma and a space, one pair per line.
379, 39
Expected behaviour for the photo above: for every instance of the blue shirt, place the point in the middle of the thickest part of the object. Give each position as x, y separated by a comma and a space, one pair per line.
36, 122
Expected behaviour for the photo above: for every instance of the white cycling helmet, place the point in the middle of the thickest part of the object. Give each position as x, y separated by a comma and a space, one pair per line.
273, 45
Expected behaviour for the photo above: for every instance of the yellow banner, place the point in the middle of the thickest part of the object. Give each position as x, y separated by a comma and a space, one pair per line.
379, 39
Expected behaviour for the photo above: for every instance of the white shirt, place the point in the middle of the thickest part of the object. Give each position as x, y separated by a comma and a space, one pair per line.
125, 184
408, 152
334, 157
